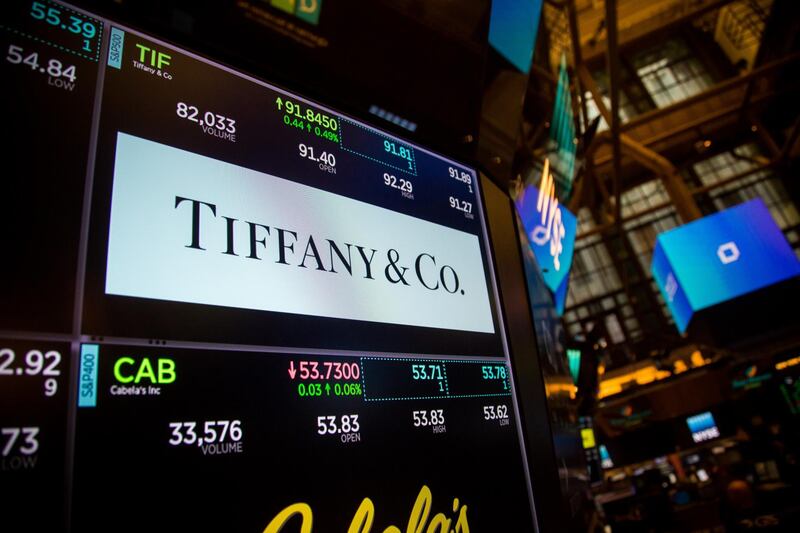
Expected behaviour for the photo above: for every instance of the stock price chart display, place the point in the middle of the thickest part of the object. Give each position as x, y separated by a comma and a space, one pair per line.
252, 313
253, 434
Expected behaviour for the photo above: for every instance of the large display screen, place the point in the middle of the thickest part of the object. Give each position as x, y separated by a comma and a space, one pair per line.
513, 28
550, 231
231, 308
721, 257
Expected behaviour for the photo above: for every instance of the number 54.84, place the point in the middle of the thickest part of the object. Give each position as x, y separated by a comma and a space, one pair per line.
16, 55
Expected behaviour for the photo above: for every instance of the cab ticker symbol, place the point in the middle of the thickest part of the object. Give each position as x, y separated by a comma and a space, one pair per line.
551, 228
127, 370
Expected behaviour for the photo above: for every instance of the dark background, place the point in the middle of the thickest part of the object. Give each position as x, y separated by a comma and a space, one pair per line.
45, 147
122, 452
432, 79
265, 144
33, 499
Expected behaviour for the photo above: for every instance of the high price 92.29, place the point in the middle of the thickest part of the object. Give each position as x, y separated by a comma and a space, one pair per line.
404, 185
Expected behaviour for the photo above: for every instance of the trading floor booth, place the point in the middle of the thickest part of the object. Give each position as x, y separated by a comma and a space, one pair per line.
231, 307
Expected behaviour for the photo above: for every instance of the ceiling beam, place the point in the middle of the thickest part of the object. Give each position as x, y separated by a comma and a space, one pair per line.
673, 182
577, 57
593, 52
612, 64
721, 87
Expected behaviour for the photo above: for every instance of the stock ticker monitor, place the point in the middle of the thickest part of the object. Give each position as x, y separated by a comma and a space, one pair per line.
335, 354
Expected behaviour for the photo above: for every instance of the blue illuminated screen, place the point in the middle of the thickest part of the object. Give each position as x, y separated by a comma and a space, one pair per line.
703, 427
605, 457
721, 257
554, 256
512, 30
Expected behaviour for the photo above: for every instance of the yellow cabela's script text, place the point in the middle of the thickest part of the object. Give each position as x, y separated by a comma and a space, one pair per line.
365, 514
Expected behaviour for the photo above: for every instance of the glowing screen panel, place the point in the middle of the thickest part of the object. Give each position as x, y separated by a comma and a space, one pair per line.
720, 257
235, 306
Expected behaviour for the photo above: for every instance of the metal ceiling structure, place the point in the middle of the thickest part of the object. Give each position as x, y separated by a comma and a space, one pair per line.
697, 106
